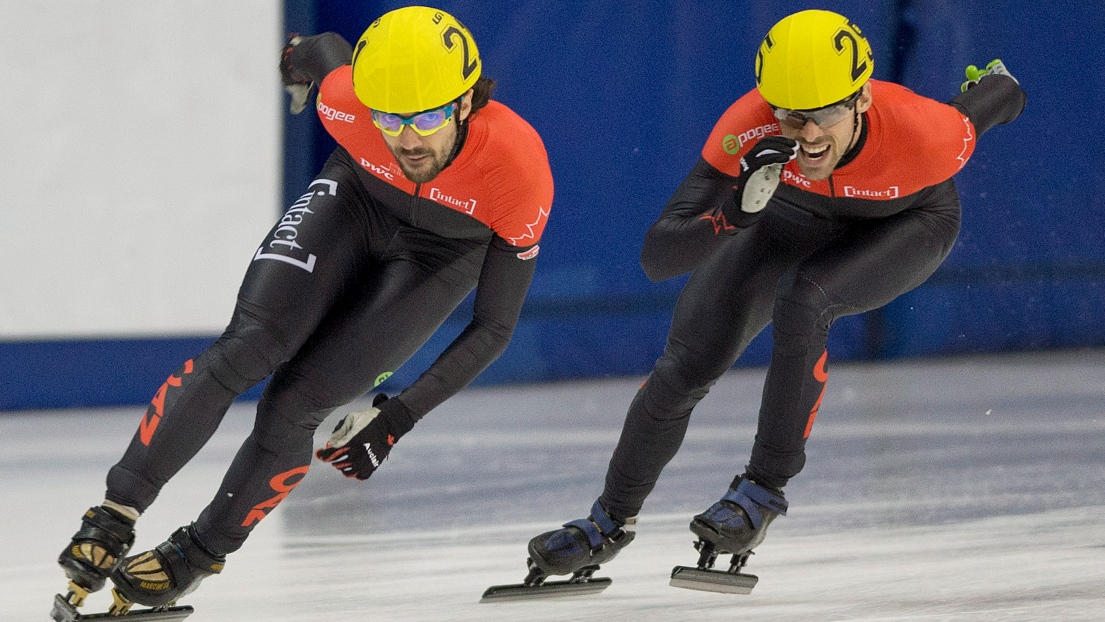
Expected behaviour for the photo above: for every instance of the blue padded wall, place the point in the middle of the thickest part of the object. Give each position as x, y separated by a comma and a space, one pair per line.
624, 94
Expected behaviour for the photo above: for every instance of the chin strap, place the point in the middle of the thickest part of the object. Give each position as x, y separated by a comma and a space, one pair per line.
462, 136
859, 132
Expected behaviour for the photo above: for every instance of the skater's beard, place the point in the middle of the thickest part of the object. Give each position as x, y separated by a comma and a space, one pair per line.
424, 163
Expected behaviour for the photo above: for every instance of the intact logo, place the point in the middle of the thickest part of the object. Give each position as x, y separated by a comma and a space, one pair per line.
857, 193
282, 245
732, 143
465, 205
335, 115
530, 254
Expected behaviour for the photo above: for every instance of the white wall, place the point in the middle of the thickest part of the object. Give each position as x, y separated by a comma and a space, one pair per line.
139, 162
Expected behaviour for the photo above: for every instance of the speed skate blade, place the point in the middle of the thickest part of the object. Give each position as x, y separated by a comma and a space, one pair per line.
65, 612
549, 589
712, 580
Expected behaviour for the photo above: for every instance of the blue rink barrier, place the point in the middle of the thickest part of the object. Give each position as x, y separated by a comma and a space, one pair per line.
955, 312
92, 372
624, 94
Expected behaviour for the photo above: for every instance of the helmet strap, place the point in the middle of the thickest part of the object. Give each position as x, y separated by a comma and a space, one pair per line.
462, 136
859, 137
855, 127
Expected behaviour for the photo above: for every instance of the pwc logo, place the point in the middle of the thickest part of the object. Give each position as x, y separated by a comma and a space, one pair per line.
388, 172
156, 411
282, 484
796, 179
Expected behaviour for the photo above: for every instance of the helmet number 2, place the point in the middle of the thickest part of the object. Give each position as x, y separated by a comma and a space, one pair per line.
858, 65
468, 64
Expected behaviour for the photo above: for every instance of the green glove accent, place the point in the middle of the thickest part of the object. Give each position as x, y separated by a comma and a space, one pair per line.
993, 68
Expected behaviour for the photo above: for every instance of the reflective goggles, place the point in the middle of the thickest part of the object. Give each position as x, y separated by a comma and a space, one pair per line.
425, 123
822, 117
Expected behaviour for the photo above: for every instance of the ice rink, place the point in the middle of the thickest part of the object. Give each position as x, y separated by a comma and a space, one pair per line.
968, 489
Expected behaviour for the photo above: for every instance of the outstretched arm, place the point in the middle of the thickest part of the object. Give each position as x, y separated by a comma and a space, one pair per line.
504, 280
305, 61
363, 440
990, 97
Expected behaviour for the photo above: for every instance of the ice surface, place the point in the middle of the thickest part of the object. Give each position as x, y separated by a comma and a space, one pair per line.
969, 489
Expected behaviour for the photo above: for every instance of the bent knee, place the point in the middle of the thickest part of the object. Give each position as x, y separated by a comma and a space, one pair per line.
247, 354
803, 307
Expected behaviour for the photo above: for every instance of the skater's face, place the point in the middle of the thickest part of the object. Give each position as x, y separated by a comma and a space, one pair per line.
422, 157
822, 146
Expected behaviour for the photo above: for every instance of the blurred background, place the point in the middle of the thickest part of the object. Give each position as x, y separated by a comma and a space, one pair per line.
147, 149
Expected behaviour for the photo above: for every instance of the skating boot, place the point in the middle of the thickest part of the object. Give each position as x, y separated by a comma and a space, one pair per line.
95, 552
576, 549
159, 577
734, 525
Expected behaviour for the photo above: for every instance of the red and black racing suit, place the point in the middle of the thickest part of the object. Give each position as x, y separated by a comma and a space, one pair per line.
351, 281
877, 228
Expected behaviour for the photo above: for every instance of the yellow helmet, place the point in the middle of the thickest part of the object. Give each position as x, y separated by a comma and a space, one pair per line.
414, 59
812, 59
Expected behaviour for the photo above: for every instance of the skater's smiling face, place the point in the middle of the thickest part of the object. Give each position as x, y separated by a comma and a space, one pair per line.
823, 138
423, 156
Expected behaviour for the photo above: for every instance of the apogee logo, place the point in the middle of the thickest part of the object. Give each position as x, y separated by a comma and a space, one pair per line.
335, 115
282, 245
732, 143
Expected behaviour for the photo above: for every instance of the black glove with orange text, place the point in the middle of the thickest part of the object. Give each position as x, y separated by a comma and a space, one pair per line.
761, 169
362, 440
296, 83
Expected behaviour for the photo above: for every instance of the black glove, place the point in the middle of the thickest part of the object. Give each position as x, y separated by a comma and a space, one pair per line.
362, 440
761, 169
296, 83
